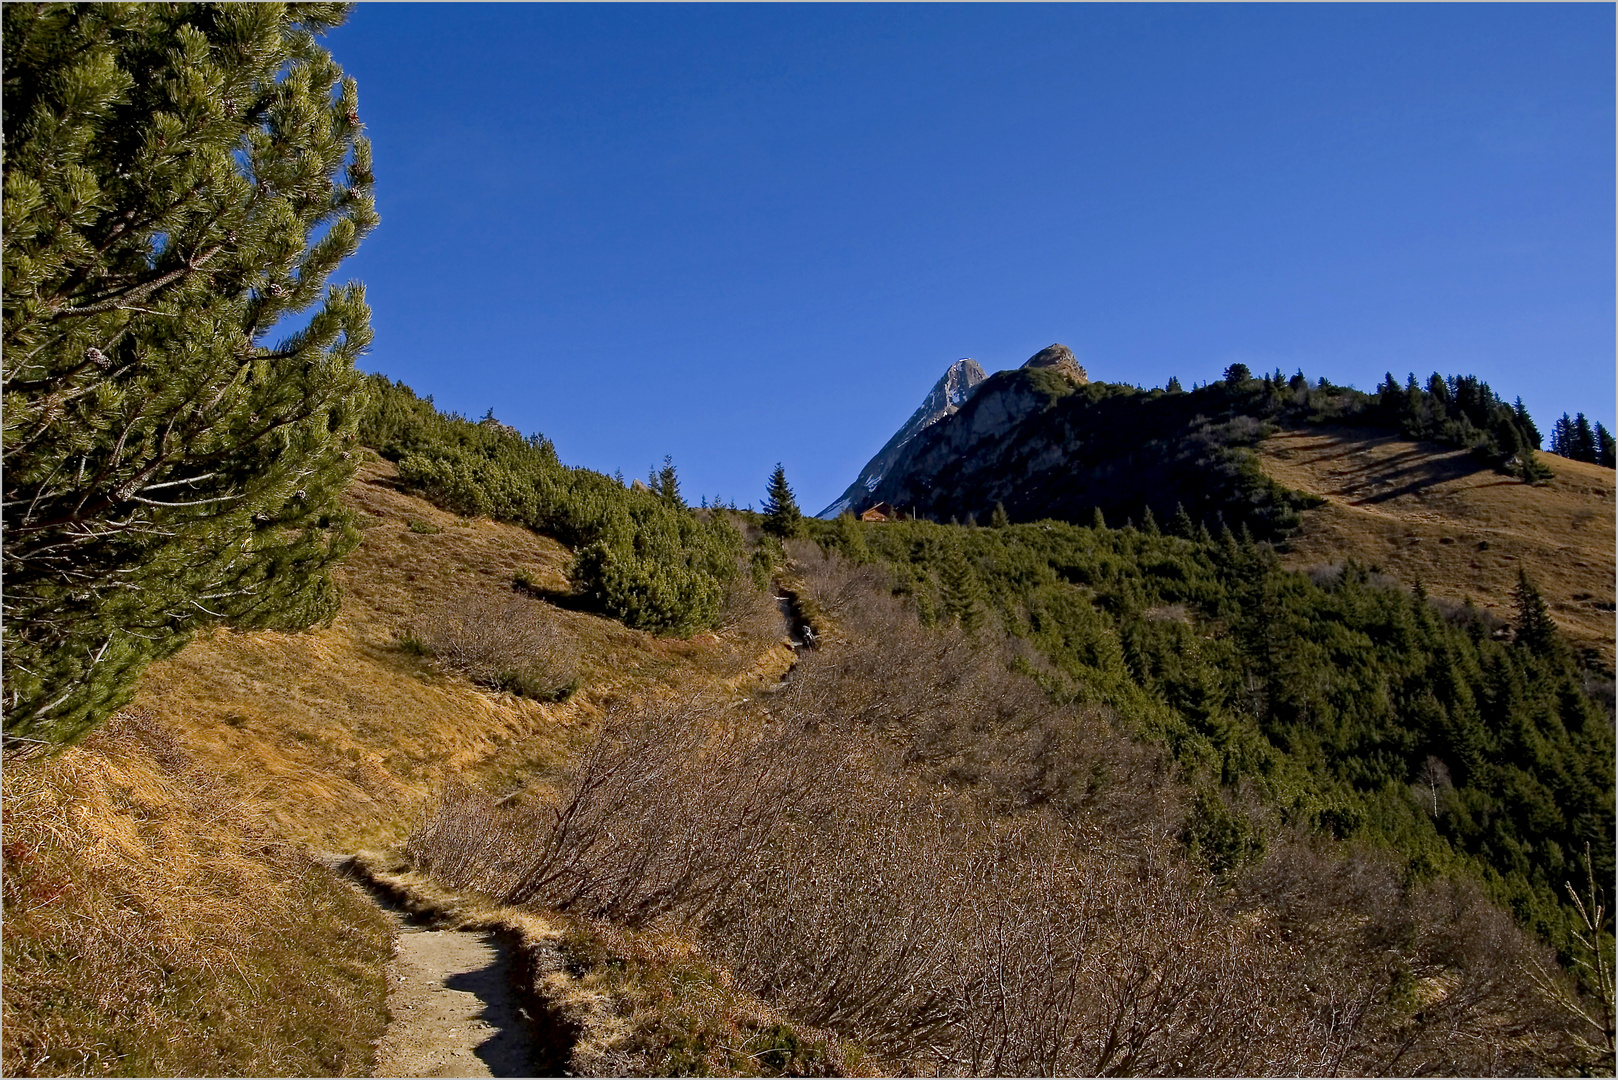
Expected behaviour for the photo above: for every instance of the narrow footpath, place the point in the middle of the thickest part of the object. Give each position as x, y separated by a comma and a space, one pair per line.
452, 1008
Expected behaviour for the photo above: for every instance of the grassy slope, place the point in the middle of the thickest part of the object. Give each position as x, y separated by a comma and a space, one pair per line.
339, 736
1429, 511
153, 907
152, 929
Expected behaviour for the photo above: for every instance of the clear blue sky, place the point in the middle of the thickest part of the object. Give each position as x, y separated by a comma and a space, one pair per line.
749, 234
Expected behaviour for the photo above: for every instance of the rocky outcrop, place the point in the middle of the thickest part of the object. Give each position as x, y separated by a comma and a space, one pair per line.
1059, 358
946, 397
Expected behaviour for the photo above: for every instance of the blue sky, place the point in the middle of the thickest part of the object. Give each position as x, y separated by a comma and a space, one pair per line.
746, 234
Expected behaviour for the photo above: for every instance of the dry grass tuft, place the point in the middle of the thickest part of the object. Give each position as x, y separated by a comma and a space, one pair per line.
150, 929
501, 642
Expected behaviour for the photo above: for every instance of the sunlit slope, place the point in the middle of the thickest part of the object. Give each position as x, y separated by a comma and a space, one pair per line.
1428, 511
337, 736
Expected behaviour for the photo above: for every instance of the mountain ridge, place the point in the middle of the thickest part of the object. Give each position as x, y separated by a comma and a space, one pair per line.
952, 390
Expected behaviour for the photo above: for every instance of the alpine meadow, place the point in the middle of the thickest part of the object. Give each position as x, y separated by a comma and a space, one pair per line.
1257, 725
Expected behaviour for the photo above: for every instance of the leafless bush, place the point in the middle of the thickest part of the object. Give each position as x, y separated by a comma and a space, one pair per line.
960, 711
502, 641
863, 902
1408, 980
749, 613
917, 849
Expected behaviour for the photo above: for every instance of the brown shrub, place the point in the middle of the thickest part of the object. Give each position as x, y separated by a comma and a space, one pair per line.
916, 849
500, 641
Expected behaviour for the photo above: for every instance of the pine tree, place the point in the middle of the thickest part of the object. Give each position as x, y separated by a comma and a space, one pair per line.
962, 594
1606, 452
998, 519
1173, 386
1181, 524
782, 518
1526, 425
1562, 436
1535, 630
179, 179
667, 484
1584, 440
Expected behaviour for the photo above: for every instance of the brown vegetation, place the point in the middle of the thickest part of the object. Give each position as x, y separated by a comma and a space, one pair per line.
336, 738
909, 846
151, 929
1432, 512
617, 1002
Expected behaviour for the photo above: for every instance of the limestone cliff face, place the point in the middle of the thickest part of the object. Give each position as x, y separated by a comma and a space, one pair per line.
986, 436
947, 396
1059, 358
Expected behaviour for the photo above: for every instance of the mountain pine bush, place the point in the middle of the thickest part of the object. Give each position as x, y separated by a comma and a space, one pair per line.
641, 557
180, 180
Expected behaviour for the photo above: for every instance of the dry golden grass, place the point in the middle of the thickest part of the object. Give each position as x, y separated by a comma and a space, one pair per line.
1428, 511
340, 736
151, 930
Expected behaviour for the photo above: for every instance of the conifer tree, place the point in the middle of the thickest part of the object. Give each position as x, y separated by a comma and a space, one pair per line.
999, 520
782, 518
667, 484
179, 178
1535, 630
1584, 440
1181, 524
1173, 386
962, 594
1606, 452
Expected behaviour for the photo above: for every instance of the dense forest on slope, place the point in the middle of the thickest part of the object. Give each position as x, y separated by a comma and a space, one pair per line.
1042, 447
1339, 699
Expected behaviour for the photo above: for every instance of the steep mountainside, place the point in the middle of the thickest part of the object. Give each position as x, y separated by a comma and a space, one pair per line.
948, 394
1044, 443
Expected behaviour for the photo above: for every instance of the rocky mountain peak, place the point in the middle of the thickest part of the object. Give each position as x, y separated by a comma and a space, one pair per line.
948, 394
1060, 358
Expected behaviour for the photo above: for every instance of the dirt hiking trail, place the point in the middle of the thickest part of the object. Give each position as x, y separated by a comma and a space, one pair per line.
452, 1008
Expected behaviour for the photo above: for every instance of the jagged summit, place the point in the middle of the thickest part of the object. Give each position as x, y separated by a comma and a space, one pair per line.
948, 394
1059, 357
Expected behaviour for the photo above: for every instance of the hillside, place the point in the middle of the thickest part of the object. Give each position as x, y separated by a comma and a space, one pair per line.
160, 892
1422, 510
1138, 805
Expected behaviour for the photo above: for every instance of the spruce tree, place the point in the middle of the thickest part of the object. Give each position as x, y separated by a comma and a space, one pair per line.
999, 519
1181, 524
1606, 451
179, 179
667, 484
782, 518
1535, 630
961, 593
1584, 440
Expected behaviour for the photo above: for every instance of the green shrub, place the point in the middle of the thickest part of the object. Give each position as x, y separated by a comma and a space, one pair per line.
639, 557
